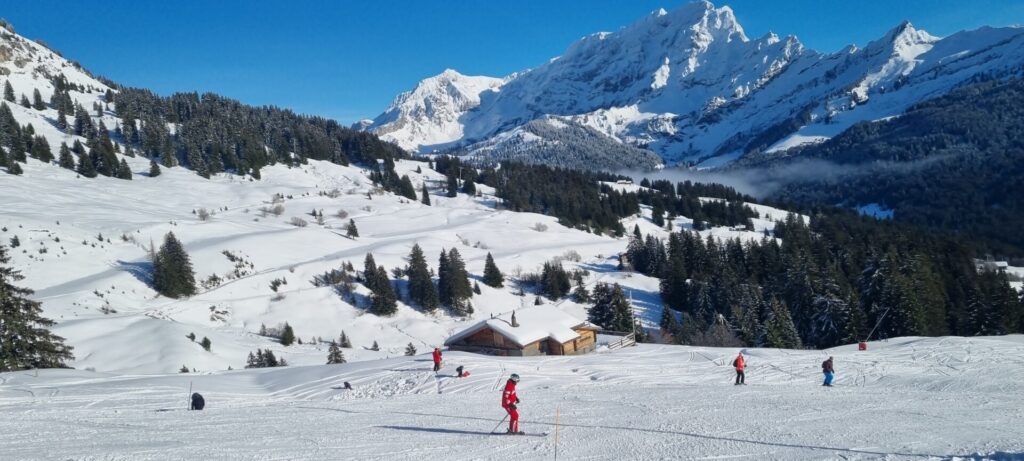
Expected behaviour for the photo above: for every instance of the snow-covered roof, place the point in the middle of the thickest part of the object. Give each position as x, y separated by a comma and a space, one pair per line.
535, 323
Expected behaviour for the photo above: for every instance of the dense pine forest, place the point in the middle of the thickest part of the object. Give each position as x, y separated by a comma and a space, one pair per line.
215, 134
828, 282
952, 163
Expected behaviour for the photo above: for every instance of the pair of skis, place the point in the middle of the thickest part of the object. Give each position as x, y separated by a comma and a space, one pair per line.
531, 434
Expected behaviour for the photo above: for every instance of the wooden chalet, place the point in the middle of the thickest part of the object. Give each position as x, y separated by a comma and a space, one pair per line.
537, 330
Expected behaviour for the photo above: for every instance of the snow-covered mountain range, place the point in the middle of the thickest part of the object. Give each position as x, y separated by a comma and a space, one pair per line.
689, 85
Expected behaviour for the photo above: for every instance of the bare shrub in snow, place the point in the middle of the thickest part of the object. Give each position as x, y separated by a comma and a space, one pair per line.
298, 222
540, 227
203, 214
341, 214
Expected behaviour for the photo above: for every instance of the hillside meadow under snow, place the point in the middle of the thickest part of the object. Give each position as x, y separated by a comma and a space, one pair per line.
98, 291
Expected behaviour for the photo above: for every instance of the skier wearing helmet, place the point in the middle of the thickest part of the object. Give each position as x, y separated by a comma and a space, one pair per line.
509, 401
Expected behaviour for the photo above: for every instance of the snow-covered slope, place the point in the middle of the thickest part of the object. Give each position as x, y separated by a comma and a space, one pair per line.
905, 399
562, 142
28, 66
690, 85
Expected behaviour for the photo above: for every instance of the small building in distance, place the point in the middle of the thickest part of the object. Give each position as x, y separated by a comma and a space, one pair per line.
537, 330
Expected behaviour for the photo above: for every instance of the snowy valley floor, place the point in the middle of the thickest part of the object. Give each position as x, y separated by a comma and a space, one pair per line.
909, 398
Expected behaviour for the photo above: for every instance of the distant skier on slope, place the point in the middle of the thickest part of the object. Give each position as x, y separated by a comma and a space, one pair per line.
437, 359
740, 363
826, 368
509, 401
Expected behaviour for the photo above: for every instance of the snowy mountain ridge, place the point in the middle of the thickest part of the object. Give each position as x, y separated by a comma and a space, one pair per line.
689, 85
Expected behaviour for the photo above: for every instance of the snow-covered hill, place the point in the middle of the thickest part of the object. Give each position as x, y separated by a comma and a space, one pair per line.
905, 399
690, 85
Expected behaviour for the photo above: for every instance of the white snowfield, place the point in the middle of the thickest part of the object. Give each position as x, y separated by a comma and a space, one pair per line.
908, 398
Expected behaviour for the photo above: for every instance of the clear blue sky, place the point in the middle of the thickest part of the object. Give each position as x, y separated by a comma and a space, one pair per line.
347, 60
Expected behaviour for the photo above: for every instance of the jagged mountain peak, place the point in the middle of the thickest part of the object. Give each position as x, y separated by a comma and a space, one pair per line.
689, 84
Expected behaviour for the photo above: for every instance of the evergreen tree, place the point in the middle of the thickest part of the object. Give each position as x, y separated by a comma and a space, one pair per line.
37, 100
66, 160
410, 350
580, 293
8, 91
374, 347
287, 335
554, 280
62, 119
154, 169
469, 187
350, 229
206, 343
172, 269
421, 286
25, 102
453, 185
780, 331
424, 194
41, 149
335, 354
343, 341
384, 302
459, 289
406, 189
124, 171
611, 309
25, 339
86, 167
15, 169
492, 276
476, 288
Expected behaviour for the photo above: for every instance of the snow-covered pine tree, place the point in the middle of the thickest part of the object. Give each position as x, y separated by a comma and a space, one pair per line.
343, 341
172, 270
780, 331
406, 189
37, 100
421, 285
8, 91
351, 230
25, 338
335, 354
452, 187
611, 309
287, 335
65, 160
459, 289
424, 194
492, 276
410, 350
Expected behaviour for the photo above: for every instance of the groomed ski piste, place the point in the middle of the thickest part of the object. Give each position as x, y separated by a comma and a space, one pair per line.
908, 398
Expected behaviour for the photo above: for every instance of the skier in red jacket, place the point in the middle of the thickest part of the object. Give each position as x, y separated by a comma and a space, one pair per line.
509, 401
437, 359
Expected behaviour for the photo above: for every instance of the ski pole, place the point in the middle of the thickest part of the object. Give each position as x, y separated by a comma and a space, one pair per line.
499, 423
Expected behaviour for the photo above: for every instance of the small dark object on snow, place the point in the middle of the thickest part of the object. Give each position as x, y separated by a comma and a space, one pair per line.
347, 385
459, 371
197, 401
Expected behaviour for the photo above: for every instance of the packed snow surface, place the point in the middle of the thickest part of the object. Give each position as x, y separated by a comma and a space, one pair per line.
908, 398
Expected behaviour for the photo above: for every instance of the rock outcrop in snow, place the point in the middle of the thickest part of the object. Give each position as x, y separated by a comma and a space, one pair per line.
690, 85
